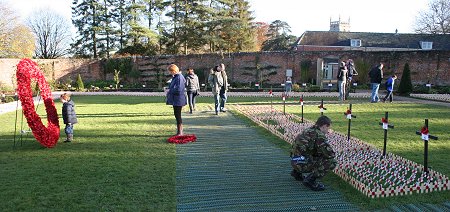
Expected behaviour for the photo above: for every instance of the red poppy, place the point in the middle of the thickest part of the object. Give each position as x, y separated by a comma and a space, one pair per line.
424, 130
182, 139
384, 120
27, 70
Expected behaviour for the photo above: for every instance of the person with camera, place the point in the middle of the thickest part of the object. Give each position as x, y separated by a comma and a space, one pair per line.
175, 95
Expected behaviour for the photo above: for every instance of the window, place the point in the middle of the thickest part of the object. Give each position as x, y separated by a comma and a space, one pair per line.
355, 43
426, 45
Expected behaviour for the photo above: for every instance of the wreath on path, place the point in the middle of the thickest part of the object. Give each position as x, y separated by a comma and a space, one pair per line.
27, 70
182, 139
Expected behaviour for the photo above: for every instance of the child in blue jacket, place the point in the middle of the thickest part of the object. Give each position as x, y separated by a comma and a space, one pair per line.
390, 88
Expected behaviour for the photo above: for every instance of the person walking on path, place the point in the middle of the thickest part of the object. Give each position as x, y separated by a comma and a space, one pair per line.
215, 80
288, 86
69, 116
390, 88
375, 75
192, 88
312, 156
175, 95
351, 72
224, 89
342, 80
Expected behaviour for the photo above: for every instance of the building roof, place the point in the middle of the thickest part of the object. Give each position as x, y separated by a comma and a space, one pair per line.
374, 40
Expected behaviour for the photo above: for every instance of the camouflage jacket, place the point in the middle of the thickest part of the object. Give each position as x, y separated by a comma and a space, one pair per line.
312, 143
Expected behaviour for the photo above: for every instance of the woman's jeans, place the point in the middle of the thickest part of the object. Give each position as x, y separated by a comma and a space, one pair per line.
191, 100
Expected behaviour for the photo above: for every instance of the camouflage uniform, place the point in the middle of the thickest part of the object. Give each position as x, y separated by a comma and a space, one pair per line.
313, 144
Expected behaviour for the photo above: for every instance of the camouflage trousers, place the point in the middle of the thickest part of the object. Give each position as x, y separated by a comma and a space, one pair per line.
318, 168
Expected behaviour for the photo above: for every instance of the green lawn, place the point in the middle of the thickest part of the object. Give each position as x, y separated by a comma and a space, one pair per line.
121, 161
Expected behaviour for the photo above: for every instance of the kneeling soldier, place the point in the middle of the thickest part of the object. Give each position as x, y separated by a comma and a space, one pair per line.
312, 156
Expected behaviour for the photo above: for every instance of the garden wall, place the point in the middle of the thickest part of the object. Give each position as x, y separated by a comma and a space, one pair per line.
267, 68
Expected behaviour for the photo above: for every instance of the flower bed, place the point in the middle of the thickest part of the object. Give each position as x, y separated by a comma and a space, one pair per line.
440, 97
360, 164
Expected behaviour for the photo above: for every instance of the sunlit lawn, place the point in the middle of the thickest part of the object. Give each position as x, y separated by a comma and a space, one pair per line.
120, 159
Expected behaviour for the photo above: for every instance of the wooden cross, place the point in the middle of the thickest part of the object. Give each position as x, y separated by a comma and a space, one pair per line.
349, 117
425, 137
271, 99
301, 103
322, 108
384, 122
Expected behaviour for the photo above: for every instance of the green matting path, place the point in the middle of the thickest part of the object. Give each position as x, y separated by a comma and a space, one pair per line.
232, 167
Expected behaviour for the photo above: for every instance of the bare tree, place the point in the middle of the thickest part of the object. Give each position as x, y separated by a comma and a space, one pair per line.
52, 32
436, 19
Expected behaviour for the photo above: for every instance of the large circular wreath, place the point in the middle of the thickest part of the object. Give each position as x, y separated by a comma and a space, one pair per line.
27, 70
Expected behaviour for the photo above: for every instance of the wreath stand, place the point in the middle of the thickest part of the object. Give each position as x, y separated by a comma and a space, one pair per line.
22, 132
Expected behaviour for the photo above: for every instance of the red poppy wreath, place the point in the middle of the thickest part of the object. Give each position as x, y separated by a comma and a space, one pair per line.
182, 139
27, 70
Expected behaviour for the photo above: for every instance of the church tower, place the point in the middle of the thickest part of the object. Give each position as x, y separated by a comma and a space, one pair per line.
339, 26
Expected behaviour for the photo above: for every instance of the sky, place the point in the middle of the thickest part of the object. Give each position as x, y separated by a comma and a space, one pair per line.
301, 15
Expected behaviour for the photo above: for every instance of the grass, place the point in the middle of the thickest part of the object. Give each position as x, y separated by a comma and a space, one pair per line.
121, 161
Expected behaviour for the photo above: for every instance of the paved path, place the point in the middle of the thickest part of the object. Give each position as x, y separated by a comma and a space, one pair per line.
232, 167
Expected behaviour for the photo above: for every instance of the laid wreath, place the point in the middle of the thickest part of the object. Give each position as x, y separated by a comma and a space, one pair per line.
27, 70
182, 139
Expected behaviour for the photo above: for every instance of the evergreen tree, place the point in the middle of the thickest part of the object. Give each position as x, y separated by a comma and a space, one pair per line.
405, 87
80, 84
86, 18
278, 37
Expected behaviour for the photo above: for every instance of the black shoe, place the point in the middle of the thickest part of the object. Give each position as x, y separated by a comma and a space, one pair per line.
311, 183
298, 176
67, 141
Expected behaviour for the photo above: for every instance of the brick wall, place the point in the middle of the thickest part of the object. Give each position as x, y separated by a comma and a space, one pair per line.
248, 68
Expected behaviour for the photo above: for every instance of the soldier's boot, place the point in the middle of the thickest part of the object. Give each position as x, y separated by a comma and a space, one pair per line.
311, 182
297, 175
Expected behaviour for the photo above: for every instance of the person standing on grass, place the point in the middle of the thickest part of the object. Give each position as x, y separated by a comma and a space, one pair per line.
69, 116
215, 80
224, 89
342, 80
390, 88
376, 75
192, 88
312, 156
175, 95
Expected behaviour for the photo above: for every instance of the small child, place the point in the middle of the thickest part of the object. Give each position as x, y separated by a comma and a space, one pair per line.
390, 88
69, 116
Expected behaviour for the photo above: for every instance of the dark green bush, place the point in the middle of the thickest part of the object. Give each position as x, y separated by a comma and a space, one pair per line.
405, 87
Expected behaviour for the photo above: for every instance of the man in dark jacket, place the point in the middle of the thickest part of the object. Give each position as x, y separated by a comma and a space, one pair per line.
376, 75
69, 116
